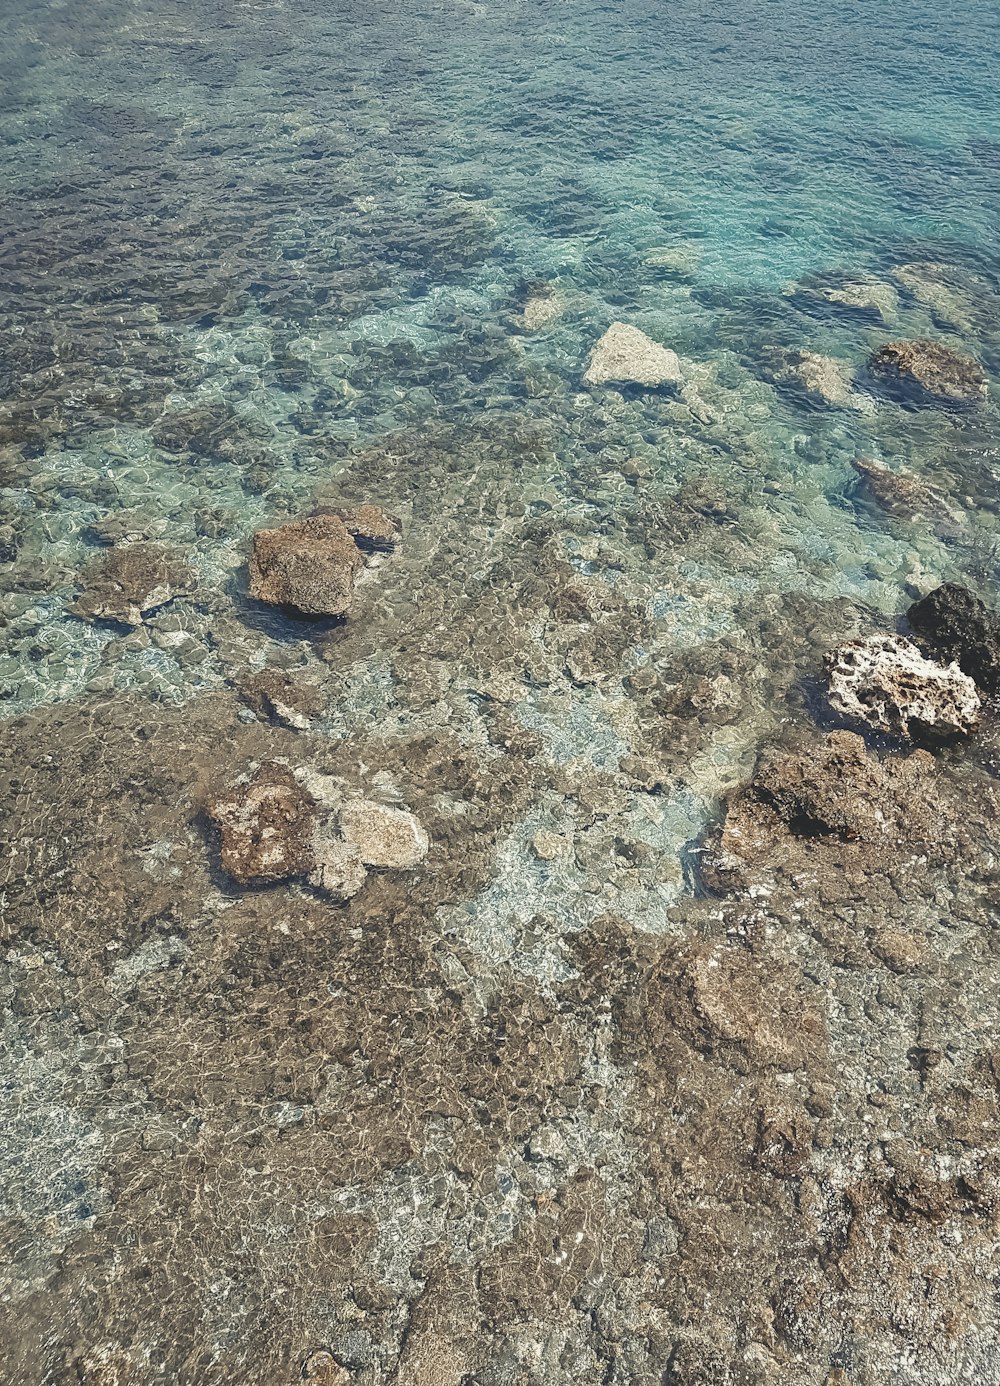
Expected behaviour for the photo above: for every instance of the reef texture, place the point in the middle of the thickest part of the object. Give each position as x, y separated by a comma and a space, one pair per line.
929, 371
887, 683
426, 1148
626, 356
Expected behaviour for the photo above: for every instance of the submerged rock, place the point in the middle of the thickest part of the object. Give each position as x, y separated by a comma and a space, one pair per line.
273, 695
950, 293
371, 527
543, 305
848, 292
339, 871
626, 356
267, 822
823, 378
383, 836
952, 623
306, 564
131, 581
865, 295
901, 493
887, 683
930, 371
279, 823
838, 788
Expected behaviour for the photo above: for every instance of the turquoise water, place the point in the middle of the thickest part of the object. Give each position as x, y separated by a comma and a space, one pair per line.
324, 221
257, 258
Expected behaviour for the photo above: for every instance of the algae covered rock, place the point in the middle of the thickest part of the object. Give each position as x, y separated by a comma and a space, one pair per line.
309, 565
838, 788
929, 372
828, 803
885, 682
626, 356
130, 581
900, 492
267, 823
952, 623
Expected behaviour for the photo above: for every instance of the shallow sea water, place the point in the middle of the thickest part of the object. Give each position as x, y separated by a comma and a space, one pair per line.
259, 257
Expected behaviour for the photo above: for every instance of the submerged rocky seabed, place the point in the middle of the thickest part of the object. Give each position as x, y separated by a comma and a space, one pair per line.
452, 933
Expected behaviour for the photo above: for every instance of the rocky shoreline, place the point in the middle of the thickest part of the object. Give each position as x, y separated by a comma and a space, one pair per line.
501, 757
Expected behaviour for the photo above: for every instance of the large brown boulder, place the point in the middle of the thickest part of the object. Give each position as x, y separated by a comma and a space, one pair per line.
929, 372
306, 564
835, 798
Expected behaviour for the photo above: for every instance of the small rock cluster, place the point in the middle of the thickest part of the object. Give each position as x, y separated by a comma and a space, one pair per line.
273, 828
929, 691
918, 372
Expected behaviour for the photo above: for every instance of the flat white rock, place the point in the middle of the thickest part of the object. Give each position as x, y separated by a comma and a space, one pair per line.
383, 836
626, 356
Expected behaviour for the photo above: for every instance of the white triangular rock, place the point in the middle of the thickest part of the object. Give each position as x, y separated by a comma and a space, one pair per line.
626, 356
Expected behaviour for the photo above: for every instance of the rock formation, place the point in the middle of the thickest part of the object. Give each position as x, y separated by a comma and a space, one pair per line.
273, 829
307, 564
885, 682
899, 492
267, 823
626, 356
130, 581
952, 623
929, 372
